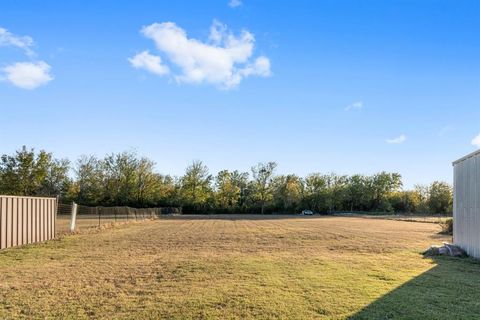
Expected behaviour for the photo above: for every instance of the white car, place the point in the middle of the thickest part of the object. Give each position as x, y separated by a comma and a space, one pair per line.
307, 212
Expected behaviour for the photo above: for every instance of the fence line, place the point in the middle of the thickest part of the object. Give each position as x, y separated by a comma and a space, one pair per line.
26, 220
85, 217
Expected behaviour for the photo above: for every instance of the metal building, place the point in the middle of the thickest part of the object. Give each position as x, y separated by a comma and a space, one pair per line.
466, 203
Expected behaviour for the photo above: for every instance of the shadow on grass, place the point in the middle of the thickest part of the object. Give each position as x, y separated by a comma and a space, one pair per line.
450, 290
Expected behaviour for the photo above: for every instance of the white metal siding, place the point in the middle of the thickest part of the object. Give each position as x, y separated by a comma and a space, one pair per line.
466, 205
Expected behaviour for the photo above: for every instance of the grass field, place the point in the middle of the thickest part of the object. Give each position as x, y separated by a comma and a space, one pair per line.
241, 267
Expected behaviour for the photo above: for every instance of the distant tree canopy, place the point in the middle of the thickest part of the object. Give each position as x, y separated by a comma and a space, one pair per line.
26, 173
127, 179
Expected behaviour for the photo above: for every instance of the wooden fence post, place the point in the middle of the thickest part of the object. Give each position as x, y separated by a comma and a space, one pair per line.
73, 218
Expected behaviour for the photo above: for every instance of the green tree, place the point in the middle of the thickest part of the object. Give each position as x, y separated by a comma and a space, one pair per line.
228, 192
57, 182
287, 193
440, 197
405, 201
89, 186
356, 192
170, 191
423, 194
383, 184
315, 192
240, 180
120, 173
148, 183
262, 182
29, 174
336, 186
196, 185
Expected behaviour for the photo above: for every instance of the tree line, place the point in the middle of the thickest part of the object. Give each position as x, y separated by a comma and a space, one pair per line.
127, 179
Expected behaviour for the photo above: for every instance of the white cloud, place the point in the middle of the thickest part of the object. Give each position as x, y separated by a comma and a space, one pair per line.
355, 106
147, 61
225, 60
476, 141
261, 67
8, 39
217, 31
25, 75
28, 75
235, 3
400, 139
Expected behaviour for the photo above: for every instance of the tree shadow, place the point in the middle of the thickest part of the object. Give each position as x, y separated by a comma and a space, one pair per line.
449, 290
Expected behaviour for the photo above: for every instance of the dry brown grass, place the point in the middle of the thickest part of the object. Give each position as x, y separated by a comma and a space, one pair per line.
217, 267
85, 224
412, 218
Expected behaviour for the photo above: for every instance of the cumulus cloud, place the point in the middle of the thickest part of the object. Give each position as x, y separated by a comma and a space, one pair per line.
235, 3
400, 139
147, 61
28, 75
224, 60
8, 39
476, 141
355, 106
25, 75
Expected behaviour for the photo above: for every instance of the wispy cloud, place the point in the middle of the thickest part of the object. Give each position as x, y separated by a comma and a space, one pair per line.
476, 141
224, 60
235, 3
355, 106
446, 130
8, 39
28, 75
400, 139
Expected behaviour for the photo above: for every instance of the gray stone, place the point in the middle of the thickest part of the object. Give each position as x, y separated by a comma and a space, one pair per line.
446, 250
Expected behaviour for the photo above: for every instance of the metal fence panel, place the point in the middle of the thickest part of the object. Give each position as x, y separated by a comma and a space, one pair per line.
26, 220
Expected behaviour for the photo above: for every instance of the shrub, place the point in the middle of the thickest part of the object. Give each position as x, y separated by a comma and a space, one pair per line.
447, 226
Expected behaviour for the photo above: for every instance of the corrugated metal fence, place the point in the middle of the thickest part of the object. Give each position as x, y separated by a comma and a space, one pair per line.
26, 220
466, 206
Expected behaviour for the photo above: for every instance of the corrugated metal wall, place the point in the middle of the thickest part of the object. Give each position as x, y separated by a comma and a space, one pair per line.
466, 205
26, 220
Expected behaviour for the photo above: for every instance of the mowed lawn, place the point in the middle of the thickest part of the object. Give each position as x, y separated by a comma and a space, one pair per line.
241, 267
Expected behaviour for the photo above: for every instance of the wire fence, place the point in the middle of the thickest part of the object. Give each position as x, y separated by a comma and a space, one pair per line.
95, 217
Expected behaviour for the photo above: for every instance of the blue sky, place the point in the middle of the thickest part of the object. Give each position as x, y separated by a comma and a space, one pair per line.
324, 86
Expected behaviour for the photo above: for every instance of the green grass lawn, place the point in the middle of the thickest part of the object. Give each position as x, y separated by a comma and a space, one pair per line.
241, 267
